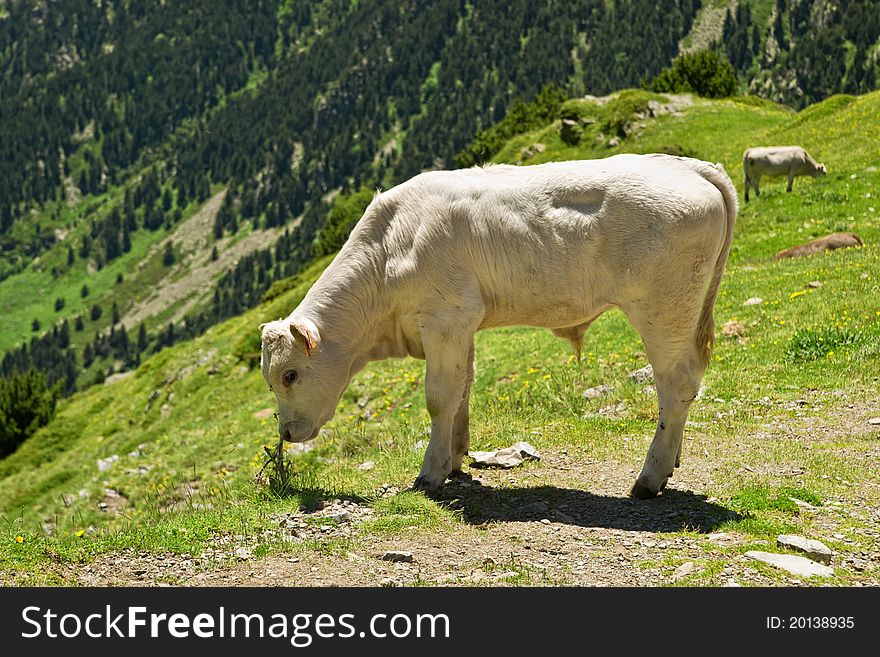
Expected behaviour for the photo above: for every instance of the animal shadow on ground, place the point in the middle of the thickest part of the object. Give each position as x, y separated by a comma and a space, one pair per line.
673, 511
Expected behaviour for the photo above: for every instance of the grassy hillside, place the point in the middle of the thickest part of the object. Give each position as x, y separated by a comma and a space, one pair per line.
166, 461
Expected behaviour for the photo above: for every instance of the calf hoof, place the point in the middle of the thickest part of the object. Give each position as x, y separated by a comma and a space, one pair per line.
642, 492
427, 484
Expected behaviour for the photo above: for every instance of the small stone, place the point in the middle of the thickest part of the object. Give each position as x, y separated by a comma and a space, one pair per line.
366, 465
643, 375
340, 516
501, 458
509, 457
814, 284
800, 566
806, 506
545, 521
387, 581
564, 517
105, 463
815, 550
243, 554
597, 391
533, 508
419, 446
753, 301
874, 421
396, 556
733, 329
685, 569
526, 450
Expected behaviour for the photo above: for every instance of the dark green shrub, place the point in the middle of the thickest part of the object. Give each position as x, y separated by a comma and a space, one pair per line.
343, 215
704, 73
26, 404
520, 118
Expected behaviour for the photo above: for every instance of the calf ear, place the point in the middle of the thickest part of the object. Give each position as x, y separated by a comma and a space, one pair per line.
308, 332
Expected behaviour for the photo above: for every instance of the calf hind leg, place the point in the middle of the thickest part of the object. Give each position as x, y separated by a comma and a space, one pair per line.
678, 369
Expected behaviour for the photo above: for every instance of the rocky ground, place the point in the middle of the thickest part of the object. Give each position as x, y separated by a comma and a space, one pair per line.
563, 521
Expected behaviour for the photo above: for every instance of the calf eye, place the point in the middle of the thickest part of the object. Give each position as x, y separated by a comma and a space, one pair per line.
289, 377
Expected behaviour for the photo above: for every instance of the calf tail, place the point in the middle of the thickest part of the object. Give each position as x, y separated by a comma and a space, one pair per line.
716, 175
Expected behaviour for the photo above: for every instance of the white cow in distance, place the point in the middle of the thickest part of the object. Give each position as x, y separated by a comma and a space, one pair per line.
448, 253
788, 161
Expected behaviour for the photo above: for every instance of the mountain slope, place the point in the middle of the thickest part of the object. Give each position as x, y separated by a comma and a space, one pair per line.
124, 121
171, 451
280, 104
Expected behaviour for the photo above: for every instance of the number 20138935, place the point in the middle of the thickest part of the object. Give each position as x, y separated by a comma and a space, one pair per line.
810, 623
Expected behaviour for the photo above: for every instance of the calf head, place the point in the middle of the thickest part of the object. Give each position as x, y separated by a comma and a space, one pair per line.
307, 376
819, 171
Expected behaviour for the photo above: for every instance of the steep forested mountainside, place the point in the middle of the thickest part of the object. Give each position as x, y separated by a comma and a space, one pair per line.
128, 124
799, 52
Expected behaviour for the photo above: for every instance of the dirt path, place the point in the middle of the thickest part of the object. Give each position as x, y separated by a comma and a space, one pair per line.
562, 522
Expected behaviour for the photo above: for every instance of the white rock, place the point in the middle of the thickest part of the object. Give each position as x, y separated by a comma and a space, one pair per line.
366, 465
509, 457
597, 391
875, 421
799, 566
105, 463
643, 375
683, 570
815, 550
753, 301
526, 450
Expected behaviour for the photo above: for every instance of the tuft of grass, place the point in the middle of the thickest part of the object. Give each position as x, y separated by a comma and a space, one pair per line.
814, 343
406, 510
764, 498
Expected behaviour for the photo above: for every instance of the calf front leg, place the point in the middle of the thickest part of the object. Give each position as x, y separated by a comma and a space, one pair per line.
447, 365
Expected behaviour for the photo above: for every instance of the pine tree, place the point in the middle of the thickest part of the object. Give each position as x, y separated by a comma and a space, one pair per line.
142, 340
168, 256
64, 335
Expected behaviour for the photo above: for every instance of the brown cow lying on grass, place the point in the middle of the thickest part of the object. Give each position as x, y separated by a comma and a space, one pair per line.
827, 243
788, 161
448, 253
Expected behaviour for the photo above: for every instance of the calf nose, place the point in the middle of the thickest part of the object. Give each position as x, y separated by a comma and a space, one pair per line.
285, 433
